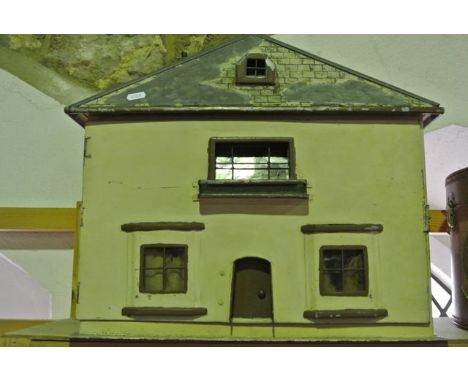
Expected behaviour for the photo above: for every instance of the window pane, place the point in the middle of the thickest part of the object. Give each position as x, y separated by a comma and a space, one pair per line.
153, 281
250, 166
243, 174
223, 149
260, 174
280, 166
250, 72
353, 258
254, 149
175, 257
354, 281
175, 280
260, 72
153, 257
331, 282
251, 62
279, 174
275, 160
279, 149
260, 63
223, 161
332, 259
223, 174
251, 160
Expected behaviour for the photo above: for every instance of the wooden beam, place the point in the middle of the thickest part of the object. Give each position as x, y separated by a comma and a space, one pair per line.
38, 219
438, 221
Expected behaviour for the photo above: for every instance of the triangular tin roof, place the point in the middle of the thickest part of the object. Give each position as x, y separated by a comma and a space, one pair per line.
206, 82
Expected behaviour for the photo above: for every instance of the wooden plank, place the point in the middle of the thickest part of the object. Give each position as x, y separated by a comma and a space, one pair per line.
159, 226
163, 311
438, 221
37, 219
121, 342
345, 313
341, 228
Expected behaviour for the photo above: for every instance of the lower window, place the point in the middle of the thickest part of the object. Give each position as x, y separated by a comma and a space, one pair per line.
163, 268
343, 271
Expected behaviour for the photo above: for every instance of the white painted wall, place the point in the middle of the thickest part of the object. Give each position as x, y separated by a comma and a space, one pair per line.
21, 296
40, 166
52, 270
446, 152
40, 149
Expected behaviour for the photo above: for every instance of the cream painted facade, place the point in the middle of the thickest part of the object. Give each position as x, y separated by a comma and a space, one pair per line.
356, 172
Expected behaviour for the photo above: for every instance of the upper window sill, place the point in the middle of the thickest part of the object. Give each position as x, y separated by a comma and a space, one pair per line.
253, 189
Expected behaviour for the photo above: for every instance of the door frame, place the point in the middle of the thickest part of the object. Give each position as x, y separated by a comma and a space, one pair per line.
233, 281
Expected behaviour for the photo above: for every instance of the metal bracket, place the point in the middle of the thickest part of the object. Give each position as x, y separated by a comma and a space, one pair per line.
427, 218
77, 298
86, 155
81, 214
451, 204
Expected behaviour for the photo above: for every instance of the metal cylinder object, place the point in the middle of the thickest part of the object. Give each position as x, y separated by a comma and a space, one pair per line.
456, 185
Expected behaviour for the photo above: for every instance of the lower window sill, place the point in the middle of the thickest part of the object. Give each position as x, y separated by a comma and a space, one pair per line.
163, 312
296, 189
344, 314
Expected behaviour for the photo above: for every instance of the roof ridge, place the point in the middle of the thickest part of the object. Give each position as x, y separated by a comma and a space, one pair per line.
349, 70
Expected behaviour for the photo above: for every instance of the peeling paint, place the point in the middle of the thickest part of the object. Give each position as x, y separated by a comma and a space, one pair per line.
189, 83
346, 92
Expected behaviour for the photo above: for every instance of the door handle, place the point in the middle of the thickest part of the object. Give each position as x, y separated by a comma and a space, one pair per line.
261, 294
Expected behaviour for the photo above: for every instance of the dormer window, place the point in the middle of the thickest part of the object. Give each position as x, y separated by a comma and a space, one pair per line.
255, 69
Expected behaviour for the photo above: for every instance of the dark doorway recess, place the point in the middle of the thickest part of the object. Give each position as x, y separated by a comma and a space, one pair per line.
251, 289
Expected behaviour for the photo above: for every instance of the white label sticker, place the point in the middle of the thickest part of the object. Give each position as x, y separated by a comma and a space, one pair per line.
134, 96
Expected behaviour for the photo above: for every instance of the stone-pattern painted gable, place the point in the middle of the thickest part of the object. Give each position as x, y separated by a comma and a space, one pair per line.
303, 82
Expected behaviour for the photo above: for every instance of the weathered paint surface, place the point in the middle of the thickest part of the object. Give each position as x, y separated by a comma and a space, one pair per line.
209, 80
357, 173
350, 91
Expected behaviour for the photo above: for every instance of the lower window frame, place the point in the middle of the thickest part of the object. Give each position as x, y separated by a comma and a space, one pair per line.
322, 270
142, 269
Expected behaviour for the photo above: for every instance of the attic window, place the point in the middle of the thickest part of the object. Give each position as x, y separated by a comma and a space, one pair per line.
255, 69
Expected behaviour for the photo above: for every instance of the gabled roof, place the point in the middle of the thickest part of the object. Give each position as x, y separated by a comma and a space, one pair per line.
206, 82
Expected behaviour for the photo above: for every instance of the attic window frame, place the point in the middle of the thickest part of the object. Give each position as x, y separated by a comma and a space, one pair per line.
242, 78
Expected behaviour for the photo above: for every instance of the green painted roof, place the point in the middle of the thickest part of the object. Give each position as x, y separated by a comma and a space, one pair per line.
207, 82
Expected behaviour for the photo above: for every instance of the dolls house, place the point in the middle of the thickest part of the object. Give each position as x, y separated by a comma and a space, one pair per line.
254, 192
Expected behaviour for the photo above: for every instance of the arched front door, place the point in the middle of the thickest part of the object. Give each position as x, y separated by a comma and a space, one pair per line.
251, 289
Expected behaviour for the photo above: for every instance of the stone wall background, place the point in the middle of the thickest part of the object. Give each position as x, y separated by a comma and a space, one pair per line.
97, 62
